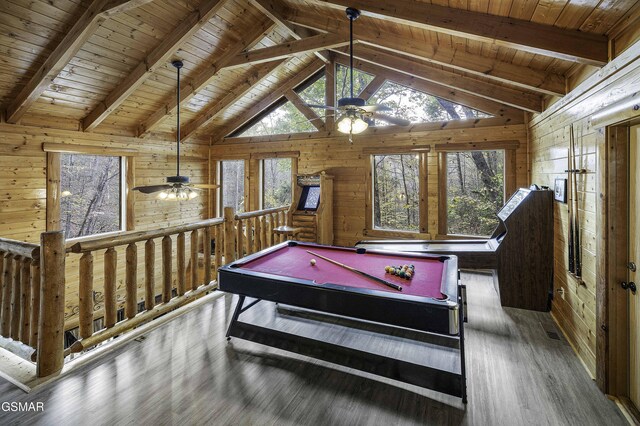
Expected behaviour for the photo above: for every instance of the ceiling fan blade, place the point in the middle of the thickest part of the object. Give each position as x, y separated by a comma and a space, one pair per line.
373, 108
150, 189
204, 186
321, 106
389, 119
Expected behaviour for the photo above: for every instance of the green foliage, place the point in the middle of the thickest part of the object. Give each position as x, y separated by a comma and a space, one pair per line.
396, 192
315, 94
475, 191
91, 194
276, 182
232, 173
343, 81
282, 120
419, 107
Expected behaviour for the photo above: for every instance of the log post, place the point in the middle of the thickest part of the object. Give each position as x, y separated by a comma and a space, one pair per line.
166, 269
35, 302
85, 293
182, 268
282, 220
206, 248
229, 237
217, 232
25, 301
270, 236
7, 274
131, 281
50, 354
250, 223
239, 239
149, 274
263, 232
194, 259
110, 303
258, 234
15, 298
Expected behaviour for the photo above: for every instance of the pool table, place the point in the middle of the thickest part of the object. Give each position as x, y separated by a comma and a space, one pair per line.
430, 302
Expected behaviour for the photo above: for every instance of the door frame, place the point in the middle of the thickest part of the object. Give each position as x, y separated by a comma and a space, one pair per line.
612, 318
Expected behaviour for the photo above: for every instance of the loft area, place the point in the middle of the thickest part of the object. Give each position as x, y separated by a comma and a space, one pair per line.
302, 180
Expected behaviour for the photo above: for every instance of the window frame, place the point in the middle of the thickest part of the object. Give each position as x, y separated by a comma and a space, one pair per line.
370, 229
220, 182
508, 147
53, 189
272, 156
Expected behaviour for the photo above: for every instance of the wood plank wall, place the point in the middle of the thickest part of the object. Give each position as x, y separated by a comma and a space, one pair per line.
349, 164
23, 195
549, 139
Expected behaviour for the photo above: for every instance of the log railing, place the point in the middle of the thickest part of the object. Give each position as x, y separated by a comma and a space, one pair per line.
32, 280
176, 287
19, 291
254, 230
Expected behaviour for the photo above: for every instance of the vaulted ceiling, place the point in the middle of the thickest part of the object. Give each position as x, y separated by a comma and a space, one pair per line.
104, 65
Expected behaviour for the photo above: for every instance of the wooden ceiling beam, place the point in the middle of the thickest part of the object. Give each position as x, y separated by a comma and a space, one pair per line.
375, 84
97, 12
504, 72
288, 49
512, 97
568, 45
496, 109
301, 105
269, 99
254, 78
191, 88
159, 56
275, 12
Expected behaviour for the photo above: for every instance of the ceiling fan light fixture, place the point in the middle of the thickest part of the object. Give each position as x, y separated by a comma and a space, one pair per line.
352, 123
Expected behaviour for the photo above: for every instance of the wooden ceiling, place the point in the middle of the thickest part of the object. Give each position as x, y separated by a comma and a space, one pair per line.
104, 65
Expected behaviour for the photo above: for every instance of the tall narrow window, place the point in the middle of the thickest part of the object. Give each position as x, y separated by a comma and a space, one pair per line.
232, 177
475, 191
276, 182
396, 192
91, 197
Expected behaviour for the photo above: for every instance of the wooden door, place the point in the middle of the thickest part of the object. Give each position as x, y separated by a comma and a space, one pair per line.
634, 256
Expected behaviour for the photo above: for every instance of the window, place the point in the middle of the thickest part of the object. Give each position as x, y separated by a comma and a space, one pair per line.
396, 192
475, 191
417, 106
276, 182
232, 185
343, 81
91, 194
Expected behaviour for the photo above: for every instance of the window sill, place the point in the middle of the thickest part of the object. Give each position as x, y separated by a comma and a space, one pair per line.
407, 235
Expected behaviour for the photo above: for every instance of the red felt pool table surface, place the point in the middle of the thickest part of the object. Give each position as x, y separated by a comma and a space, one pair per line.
294, 262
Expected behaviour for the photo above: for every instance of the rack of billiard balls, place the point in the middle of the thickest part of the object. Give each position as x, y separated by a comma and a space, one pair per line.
405, 271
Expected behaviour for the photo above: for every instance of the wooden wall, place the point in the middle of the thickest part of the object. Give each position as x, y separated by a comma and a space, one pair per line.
349, 164
23, 194
549, 140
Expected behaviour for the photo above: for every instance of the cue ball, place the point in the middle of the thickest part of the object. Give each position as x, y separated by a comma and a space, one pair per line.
312, 262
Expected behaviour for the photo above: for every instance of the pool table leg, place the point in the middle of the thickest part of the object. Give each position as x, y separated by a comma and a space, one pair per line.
463, 369
236, 314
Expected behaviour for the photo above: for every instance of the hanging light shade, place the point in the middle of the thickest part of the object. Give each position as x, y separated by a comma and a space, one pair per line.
352, 124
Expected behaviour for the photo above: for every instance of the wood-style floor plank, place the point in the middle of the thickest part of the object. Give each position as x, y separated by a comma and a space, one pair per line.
185, 373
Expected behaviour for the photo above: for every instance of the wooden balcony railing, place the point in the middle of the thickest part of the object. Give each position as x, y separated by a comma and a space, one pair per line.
42, 325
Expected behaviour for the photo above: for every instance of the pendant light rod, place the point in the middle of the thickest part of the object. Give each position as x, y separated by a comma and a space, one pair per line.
352, 14
178, 64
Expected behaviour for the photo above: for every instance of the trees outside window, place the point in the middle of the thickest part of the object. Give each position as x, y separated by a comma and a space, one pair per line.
91, 194
396, 192
420, 107
232, 191
276, 182
475, 191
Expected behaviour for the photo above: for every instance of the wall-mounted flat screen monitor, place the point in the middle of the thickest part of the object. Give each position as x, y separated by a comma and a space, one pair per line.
310, 198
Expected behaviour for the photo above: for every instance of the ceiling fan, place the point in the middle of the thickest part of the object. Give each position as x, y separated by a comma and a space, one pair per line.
356, 115
177, 187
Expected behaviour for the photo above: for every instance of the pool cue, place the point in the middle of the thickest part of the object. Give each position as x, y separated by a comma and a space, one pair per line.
576, 213
572, 268
357, 271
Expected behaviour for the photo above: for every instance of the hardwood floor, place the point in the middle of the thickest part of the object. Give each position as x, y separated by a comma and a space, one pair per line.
185, 373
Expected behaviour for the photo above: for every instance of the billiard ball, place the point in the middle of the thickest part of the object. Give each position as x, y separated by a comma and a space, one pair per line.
312, 262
